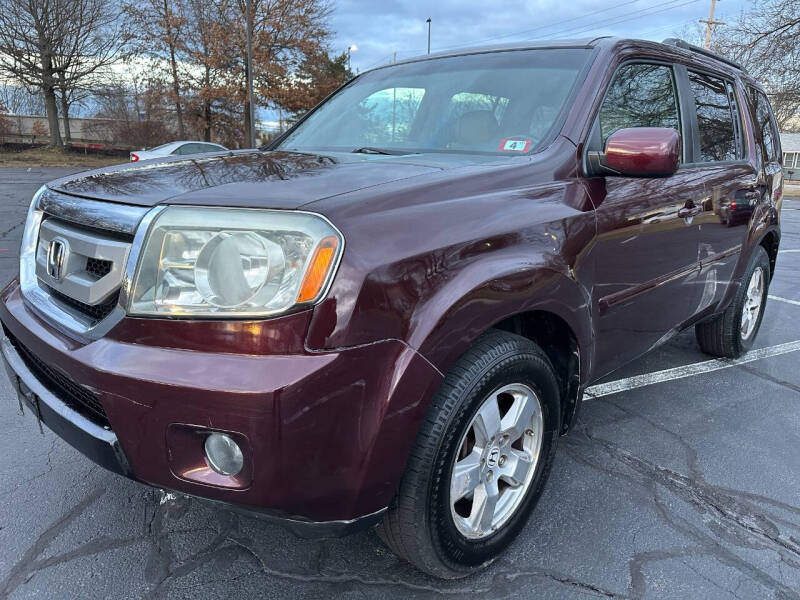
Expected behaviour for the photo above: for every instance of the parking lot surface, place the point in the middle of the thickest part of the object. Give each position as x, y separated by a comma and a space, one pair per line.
682, 479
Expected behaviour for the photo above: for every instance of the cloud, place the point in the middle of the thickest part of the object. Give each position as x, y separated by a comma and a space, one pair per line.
381, 28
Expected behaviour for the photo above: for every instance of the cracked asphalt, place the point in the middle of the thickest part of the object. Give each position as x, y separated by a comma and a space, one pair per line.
684, 488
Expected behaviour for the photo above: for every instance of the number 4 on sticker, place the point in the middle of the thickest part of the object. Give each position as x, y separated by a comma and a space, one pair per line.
514, 145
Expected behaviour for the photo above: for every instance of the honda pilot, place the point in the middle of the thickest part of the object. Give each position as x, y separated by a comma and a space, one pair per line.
389, 315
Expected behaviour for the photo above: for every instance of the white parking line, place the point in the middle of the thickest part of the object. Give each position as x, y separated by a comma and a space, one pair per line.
779, 299
793, 251
630, 383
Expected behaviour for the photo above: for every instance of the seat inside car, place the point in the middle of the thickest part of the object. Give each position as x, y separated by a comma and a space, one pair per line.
476, 127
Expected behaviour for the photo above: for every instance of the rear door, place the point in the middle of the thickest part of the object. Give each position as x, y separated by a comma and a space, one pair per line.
722, 154
643, 263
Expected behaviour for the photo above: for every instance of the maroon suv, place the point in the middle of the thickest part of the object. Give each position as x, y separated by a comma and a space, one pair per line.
390, 314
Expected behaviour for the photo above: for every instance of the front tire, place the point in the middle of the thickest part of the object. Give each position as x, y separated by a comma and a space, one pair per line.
732, 333
480, 461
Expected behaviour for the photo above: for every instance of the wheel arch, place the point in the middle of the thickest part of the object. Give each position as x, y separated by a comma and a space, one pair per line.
553, 312
770, 241
559, 342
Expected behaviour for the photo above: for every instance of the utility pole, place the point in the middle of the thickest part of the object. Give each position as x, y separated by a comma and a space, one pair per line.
710, 23
251, 134
429, 34
350, 48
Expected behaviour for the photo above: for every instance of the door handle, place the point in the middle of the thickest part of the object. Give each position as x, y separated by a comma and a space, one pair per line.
689, 211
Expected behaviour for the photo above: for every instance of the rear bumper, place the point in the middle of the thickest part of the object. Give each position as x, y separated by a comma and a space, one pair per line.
325, 435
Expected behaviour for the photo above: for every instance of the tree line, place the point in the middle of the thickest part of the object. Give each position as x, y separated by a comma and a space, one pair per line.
164, 68
765, 39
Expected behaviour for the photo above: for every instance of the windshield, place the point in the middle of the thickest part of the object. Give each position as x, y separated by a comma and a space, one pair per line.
495, 102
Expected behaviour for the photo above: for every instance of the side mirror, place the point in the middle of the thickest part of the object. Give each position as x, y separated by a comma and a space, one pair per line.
638, 152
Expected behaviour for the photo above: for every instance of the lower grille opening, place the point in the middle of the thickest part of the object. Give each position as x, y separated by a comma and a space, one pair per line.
98, 312
73, 395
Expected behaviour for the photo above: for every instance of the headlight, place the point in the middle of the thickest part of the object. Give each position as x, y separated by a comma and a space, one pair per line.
218, 262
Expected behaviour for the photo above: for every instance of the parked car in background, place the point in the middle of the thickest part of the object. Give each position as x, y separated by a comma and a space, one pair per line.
176, 149
388, 316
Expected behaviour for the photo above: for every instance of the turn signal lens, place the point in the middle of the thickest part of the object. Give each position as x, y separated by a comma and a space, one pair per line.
317, 273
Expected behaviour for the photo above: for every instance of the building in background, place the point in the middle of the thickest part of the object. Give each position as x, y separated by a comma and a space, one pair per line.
790, 143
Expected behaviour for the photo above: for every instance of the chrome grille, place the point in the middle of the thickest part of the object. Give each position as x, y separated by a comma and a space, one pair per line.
77, 247
75, 267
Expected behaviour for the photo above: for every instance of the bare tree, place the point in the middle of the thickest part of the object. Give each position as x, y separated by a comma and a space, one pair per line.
204, 23
284, 33
765, 40
159, 29
90, 42
50, 43
29, 35
18, 100
6, 125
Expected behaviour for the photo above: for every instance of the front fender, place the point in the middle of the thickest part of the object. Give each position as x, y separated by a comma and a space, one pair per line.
466, 308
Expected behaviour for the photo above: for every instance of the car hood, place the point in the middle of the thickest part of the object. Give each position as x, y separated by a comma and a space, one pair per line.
246, 178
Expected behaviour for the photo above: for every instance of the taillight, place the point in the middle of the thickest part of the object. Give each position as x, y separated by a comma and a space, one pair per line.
733, 204
134, 157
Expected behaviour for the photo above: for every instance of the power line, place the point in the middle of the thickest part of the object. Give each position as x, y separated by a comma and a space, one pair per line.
639, 14
616, 20
540, 27
526, 31
674, 26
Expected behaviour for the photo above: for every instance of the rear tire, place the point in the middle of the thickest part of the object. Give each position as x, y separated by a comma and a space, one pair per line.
732, 333
450, 539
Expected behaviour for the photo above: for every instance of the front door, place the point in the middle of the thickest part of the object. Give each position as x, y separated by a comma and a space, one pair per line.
643, 267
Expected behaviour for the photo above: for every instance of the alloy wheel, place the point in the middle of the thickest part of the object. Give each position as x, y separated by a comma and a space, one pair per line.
752, 303
496, 460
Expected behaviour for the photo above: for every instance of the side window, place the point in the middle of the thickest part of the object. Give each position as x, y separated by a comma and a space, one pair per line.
194, 148
640, 95
717, 118
766, 125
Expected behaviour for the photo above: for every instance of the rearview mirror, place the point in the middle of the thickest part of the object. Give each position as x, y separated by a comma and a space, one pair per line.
638, 152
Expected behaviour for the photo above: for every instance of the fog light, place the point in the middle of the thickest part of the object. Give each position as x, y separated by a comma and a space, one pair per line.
223, 454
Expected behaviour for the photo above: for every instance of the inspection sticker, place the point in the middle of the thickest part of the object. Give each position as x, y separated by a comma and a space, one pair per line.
514, 145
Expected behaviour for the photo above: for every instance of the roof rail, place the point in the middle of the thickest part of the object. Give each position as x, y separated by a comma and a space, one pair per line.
692, 48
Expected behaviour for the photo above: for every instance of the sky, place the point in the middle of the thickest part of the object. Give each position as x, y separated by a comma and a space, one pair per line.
379, 28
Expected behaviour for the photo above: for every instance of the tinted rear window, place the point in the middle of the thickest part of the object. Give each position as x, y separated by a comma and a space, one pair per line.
717, 118
766, 125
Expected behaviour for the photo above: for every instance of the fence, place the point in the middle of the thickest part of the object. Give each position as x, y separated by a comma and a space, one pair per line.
31, 129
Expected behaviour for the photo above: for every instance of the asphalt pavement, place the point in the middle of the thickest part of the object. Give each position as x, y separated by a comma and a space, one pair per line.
681, 480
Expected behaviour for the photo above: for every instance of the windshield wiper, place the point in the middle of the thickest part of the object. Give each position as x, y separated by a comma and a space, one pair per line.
372, 150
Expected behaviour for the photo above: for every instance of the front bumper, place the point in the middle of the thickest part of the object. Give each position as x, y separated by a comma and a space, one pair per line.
95, 442
326, 435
